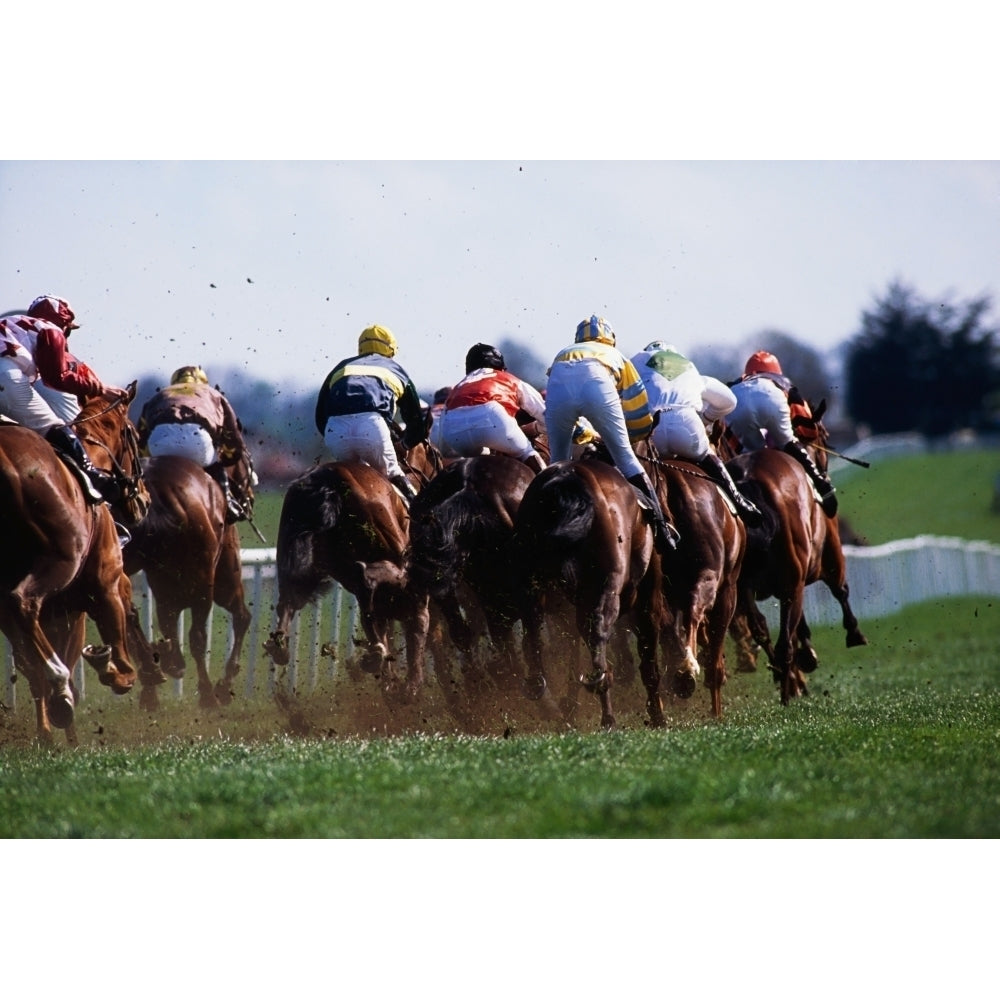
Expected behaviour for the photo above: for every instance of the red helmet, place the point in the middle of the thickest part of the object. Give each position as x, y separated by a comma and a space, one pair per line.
53, 310
762, 361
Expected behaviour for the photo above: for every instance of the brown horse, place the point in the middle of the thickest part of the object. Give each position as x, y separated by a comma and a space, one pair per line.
700, 578
191, 559
798, 546
461, 533
63, 559
343, 522
580, 531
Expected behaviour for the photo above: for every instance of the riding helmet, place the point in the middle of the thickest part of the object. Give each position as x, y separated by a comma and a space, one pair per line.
595, 328
762, 361
53, 310
484, 356
189, 373
377, 340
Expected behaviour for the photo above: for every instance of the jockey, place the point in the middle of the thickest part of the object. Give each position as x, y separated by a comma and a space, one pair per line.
357, 404
481, 411
763, 408
592, 379
191, 419
684, 401
42, 385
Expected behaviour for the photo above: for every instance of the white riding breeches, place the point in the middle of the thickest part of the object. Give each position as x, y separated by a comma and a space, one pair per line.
20, 400
187, 440
362, 437
681, 432
469, 430
585, 389
761, 407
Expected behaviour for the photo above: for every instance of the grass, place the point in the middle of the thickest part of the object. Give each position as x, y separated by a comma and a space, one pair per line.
897, 740
945, 493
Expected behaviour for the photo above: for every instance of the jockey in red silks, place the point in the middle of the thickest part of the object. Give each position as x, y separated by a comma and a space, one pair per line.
481, 411
42, 385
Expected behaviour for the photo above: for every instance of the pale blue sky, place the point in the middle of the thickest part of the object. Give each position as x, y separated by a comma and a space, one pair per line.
446, 253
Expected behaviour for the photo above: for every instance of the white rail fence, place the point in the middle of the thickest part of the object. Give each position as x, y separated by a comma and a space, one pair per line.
883, 579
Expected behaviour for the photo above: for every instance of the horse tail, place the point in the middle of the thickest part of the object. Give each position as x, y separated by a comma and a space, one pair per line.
311, 509
442, 538
560, 514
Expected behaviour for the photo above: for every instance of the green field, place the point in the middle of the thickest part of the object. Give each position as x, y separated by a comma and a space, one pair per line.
896, 740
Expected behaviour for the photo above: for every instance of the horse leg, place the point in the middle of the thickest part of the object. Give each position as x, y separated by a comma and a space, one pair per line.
788, 675
198, 643
714, 654
597, 626
746, 648
649, 672
229, 595
241, 618
38, 661
417, 628
834, 575
806, 659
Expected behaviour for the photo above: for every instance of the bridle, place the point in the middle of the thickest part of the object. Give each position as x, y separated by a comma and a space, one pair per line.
128, 485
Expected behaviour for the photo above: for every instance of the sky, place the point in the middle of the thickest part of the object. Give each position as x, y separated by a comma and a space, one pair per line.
274, 267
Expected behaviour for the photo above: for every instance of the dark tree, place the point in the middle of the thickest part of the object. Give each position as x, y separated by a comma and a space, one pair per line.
924, 366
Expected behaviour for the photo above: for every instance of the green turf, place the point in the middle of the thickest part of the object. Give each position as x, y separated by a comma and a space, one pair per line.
897, 739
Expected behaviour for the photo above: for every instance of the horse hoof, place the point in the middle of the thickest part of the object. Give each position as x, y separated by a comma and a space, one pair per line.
534, 687
223, 693
149, 700
683, 685
207, 699
60, 709
277, 649
97, 656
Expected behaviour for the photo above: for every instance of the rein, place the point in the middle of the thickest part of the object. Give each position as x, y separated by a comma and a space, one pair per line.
129, 485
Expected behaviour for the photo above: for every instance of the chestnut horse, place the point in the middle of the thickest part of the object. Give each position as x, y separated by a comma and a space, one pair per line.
461, 531
191, 559
580, 531
700, 578
798, 546
344, 522
63, 561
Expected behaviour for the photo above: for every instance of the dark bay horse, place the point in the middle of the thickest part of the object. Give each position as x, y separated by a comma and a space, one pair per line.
63, 561
461, 534
580, 531
700, 578
799, 545
191, 559
343, 522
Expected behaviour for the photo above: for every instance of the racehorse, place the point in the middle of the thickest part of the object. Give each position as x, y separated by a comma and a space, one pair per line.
191, 559
461, 531
800, 545
344, 522
580, 530
700, 578
62, 558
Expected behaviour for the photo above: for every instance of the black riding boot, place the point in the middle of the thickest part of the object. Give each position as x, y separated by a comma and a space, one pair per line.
98, 486
234, 509
713, 467
405, 487
828, 499
665, 535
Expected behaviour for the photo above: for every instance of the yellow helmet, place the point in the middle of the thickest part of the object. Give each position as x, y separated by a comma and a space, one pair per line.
189, 373
377, 340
